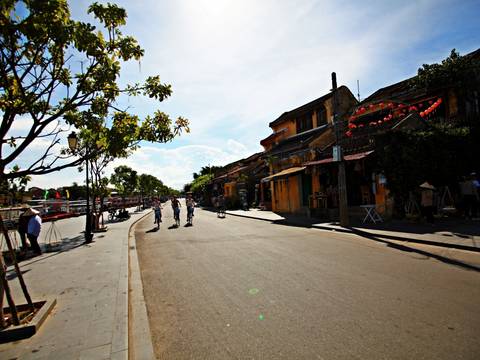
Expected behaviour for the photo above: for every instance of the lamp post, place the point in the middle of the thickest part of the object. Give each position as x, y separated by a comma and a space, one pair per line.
73, 145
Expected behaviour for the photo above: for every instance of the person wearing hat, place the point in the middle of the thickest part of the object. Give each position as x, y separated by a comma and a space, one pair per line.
23, 228
33, 229
427, 201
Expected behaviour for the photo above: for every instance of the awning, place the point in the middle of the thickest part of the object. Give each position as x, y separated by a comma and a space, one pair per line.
284, 173
350, 157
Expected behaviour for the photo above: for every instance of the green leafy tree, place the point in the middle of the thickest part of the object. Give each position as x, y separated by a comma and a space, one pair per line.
455, 70
125, 180
76, 191
57, 73
207, 170
198, 185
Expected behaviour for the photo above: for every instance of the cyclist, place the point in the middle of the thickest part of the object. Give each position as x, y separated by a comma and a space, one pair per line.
176, 210
158, 213
190, 207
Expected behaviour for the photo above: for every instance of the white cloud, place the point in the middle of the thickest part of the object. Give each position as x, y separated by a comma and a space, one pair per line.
173, 166
176, 166
237, 65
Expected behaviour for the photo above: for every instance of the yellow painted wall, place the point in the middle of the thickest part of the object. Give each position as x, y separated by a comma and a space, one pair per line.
286, 195
315, 182
229, 189
290, 125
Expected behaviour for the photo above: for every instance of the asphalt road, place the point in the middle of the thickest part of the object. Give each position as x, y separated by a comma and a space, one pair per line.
237, 288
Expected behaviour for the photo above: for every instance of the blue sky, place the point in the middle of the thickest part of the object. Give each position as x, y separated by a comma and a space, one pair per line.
237, 65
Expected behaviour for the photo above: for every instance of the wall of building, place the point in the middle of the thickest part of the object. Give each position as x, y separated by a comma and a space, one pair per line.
229, 189
286, 195
290, 125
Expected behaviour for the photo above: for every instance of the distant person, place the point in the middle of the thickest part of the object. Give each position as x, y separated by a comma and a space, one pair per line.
427, 201
476, 185
176, 210
158, 214
221, 206
33, 229
190, 203
469, 192
23, 229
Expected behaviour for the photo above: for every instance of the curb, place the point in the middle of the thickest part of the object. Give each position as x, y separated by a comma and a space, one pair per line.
139, 337
381, 237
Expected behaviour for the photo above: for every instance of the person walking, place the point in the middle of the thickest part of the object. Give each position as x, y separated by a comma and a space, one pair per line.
469, 194
33, 229
23, 228
427, 201
221, 206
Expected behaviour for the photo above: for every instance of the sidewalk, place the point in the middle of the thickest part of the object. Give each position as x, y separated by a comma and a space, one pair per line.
455, 241
90, 283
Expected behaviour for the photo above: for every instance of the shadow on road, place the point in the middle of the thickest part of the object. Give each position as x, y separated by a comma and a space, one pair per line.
154, 229
441, 258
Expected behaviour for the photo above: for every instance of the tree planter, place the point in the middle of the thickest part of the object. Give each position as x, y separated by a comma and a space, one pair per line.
30, 321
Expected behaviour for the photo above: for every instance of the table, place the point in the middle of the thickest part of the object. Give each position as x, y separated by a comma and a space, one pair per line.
371, 214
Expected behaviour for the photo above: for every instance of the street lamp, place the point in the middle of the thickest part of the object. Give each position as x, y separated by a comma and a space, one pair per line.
73, 145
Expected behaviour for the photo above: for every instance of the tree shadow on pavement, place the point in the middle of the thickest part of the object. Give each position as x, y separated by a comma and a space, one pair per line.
64, 245
13, 275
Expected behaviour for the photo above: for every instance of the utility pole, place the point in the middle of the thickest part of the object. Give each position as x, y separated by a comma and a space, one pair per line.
338, 157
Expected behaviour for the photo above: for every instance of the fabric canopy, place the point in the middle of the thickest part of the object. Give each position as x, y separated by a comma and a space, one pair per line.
284, 173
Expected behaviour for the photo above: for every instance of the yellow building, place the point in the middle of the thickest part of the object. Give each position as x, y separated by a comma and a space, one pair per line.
297, 136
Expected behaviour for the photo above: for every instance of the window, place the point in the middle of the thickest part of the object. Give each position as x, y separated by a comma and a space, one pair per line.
304, 123
321, 116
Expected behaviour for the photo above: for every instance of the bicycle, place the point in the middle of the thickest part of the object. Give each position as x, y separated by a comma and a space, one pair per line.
190, 216
176, 216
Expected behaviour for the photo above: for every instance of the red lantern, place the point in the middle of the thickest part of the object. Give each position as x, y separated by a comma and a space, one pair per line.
420, 105
430, 102
348, 133
360, 125
390, 105
422, 114
379, 122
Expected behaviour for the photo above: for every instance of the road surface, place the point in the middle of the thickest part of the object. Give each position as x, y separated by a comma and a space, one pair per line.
237, 288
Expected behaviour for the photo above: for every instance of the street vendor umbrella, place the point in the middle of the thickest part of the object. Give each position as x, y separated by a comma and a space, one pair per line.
426, 185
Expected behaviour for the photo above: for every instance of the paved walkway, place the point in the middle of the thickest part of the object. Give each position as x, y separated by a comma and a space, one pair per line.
90, 283
449, 233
